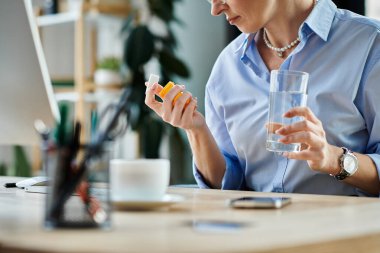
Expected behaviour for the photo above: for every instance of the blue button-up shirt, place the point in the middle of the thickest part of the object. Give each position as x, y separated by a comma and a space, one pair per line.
341, 51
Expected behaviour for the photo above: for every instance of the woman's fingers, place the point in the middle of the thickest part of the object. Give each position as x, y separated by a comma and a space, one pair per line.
272, 127
168, 105
302, 112
150, 97
309, 138
300, 126
179, 108
188, 114
306, 155
157, 87
310, 133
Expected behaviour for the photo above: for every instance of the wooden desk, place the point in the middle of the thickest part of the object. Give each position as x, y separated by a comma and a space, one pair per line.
312, 223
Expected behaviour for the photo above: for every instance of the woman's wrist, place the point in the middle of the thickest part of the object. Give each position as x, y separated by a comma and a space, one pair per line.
334, 164
195, 132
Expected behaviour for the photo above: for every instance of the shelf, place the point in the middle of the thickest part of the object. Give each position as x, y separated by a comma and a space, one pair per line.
54, 19
88, 97
121, 10
73, 96
61, 85
90, 86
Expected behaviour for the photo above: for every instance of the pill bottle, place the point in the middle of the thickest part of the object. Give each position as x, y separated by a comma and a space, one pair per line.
167, 88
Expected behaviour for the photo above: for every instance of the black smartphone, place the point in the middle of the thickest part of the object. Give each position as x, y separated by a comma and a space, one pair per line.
217, 225
259, 202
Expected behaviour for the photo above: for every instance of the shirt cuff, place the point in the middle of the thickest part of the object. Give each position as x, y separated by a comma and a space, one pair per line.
376, 159
199, 178
233, 178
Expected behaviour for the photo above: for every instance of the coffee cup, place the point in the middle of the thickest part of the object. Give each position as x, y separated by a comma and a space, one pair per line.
139, 180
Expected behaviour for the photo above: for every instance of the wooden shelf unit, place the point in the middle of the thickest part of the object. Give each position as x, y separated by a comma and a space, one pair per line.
82, 85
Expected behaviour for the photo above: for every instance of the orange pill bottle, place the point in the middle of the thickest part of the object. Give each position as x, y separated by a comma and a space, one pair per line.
167, 88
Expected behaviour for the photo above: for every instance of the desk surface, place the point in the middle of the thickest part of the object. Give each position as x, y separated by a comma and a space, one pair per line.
312, 223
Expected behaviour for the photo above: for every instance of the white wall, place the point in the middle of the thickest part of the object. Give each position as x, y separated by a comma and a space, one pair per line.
200, 42
58, 42
373, 8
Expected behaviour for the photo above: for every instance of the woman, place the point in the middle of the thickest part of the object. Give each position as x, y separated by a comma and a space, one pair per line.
339, 49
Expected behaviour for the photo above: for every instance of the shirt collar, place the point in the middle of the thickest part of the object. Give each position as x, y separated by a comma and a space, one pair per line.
321, 18
319, 21
246, 43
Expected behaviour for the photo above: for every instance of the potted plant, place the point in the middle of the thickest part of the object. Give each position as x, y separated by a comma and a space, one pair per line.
149, 37
108, 72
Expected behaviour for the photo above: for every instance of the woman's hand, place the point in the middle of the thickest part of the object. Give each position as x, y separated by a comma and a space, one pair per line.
319, 154
180, 114
206, 154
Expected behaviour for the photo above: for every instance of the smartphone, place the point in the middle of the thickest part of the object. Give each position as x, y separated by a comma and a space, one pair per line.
219, 226
259, 202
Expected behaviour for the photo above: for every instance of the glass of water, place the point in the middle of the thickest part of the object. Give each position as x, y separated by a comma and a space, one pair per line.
287, 90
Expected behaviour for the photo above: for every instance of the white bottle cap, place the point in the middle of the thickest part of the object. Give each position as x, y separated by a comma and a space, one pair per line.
153, 79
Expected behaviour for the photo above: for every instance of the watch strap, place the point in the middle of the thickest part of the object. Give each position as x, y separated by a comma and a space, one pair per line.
343, 173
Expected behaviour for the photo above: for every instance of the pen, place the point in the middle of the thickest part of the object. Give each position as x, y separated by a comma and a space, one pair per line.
65, 170
60, 131
94, 124
93, 206
62, 171
10, 185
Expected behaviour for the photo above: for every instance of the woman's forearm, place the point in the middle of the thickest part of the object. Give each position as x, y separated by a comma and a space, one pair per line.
207, 156
366, 178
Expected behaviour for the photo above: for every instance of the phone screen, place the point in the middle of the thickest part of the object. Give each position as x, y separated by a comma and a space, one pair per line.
259, 202
217, 226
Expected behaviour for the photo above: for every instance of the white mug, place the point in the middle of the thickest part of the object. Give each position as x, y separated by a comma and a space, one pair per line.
139, 180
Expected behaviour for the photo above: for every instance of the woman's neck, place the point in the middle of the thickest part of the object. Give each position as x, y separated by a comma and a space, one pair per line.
284, 26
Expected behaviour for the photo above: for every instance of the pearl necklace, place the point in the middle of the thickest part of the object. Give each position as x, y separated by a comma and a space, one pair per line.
280, 50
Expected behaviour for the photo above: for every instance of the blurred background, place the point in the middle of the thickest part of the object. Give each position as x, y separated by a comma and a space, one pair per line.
97, 48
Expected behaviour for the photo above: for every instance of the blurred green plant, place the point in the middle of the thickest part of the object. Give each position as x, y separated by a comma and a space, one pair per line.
3, 169
142, 44
109, 63
21, 166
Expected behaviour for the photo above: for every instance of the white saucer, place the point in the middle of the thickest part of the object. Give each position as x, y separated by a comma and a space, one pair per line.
168, 199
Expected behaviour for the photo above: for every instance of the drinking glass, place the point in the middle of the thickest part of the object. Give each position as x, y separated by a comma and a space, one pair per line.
287, 90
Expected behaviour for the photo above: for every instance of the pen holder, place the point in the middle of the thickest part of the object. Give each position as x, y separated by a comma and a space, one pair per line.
78, 194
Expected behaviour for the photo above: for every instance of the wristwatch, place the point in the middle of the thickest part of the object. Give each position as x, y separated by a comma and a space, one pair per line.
348, 164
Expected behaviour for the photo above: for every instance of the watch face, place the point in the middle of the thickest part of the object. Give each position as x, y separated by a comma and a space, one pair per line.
350, 164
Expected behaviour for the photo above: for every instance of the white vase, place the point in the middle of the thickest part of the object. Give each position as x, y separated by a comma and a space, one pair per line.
107, 77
